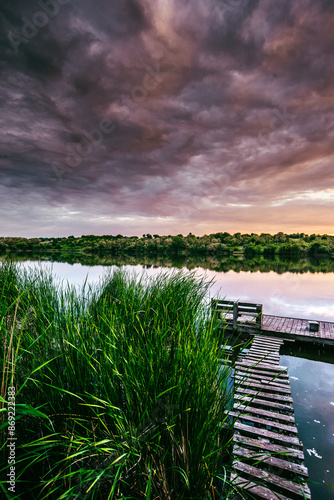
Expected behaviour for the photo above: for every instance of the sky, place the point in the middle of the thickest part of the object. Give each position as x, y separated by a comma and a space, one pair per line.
166, 116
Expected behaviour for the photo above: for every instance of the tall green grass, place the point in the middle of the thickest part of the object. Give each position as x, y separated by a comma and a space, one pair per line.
121, 390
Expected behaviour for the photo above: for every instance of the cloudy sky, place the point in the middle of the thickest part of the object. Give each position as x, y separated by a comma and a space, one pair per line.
166, 116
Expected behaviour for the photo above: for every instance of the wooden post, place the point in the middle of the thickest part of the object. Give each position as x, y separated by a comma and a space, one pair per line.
259, 316
235, 315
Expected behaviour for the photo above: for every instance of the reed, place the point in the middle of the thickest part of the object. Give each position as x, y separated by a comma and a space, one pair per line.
121, 389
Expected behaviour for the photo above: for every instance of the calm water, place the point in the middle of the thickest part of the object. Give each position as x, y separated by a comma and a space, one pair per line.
312, 386
308, 295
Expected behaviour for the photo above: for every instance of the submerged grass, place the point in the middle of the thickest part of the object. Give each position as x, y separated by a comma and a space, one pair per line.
121, 391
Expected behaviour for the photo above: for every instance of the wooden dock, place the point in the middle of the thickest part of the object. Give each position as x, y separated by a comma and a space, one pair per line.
248, 318
298, 329
268, 458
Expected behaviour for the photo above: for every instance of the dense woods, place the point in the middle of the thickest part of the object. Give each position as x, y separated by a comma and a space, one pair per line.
291, 246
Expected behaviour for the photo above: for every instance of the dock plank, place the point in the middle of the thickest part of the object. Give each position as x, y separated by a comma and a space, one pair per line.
263, 365
263, 403
282, 377
274, 436
265, 413
246, 417
268, 459
273, 480
264, 445
264, 395
260, 376
268, 387
257, 380
255, 489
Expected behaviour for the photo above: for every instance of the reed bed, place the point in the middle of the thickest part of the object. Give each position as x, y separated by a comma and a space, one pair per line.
121, 390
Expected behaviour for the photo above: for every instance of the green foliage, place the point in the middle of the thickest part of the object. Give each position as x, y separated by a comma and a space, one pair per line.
120, 389
294, 246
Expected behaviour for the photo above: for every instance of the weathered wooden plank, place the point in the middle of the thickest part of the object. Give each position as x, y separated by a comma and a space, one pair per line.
247, 309
267, 357
274, 436
266, 343
263, 403
293, 328
286, 325
260, 371
258, 376
300, 327
264, 445
279, 326
265, 413
329, 333
263, 366
261, 359
263, 352
226, 308
246, 417
275, 323
260, 367
287, 486
282, 378
268, 320
255, 489
270, 371
264, 395
254, 380
266, 338
283, 324
265, 347
271, 460
249, 304
264, 388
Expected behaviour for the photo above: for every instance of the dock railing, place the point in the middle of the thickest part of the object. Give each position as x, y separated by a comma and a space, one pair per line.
238, 314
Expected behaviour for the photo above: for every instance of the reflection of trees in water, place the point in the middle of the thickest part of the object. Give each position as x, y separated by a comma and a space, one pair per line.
309, 350
211, 263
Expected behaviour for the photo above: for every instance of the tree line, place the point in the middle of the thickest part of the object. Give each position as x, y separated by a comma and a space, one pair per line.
295, 246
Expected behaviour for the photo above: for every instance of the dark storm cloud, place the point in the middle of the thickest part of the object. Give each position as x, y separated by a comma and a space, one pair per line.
174, 113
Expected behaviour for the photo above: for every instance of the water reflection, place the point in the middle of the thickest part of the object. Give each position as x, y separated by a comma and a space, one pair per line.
217, 264
312, 386
308, 295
